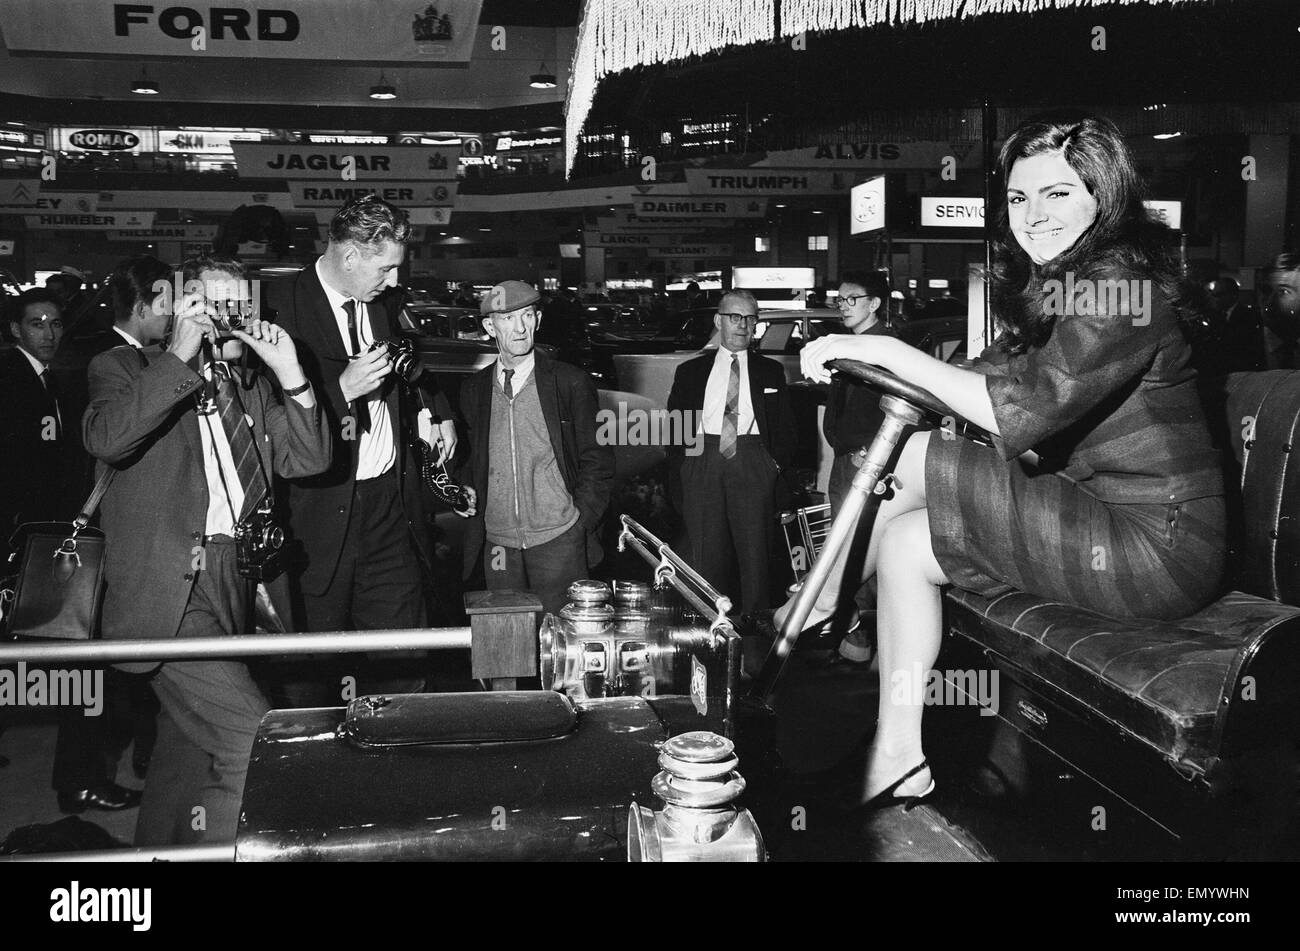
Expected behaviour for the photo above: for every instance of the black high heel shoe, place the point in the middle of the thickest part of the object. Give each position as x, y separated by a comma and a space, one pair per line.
885, 799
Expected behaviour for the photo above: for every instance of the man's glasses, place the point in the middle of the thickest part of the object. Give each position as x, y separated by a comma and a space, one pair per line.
739, 320
850, 301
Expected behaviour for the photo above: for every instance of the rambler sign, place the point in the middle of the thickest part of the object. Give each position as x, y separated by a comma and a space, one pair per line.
367, 162
405, 194
395, 31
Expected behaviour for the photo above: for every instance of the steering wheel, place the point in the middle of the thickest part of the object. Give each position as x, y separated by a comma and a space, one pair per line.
881, 379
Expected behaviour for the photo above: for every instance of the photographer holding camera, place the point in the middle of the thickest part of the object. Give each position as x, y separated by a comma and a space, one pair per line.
362, 523
189, 526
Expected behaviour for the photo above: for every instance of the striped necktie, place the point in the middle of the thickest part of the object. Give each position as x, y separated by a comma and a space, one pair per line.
239, 432
731, 418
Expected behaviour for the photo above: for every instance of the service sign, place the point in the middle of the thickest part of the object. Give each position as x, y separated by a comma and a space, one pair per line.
777, 183
867, 206
91, 139
395, 31
202, 143
698, 206
944, 212
100, 221
361, 162
403, 194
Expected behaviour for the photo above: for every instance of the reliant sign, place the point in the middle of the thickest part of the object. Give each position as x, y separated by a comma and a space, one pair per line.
419, 31
403, 194
365, 162
102, 221
943, 212
694, 251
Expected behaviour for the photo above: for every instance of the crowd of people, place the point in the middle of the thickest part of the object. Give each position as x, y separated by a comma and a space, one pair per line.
303, 418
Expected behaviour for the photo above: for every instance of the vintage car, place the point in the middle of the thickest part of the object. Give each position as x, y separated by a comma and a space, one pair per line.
1192, 723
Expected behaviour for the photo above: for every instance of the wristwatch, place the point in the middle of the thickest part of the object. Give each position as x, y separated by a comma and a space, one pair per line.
297, 390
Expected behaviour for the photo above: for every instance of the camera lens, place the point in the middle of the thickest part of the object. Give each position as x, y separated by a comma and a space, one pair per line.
274, 536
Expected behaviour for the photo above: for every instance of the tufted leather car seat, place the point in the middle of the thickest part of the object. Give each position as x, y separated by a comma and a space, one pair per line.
1181, 718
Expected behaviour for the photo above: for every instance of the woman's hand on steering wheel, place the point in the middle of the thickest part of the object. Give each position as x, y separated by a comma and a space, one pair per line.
865, 347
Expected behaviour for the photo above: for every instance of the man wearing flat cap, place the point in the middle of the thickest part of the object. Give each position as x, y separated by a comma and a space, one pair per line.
540, 478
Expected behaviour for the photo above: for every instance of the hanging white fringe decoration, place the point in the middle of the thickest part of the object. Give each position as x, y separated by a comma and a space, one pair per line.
619, 34
800, 16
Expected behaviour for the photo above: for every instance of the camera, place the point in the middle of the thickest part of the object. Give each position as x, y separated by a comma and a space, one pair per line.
401, 353
230, 315
259, 546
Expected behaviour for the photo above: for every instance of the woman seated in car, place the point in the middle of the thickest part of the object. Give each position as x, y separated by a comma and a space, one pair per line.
1104, 490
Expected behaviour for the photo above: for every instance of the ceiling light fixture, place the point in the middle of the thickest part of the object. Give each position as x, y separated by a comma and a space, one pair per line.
383, 89
543, 78
144, 86
1166, 135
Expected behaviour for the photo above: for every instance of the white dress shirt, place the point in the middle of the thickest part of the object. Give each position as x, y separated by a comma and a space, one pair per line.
715, 395
523, 370
128, 338
376, 450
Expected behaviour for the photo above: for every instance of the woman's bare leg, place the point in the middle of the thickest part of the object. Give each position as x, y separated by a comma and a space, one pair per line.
909, 495
908, 632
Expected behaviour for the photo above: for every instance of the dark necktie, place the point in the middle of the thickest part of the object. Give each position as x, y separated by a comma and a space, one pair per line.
52, 401
731, 418
510, 390
240, 435
362, 407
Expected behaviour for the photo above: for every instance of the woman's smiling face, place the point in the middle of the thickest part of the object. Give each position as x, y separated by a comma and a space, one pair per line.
1047, 205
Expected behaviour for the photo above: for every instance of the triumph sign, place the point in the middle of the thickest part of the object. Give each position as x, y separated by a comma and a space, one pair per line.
406, 163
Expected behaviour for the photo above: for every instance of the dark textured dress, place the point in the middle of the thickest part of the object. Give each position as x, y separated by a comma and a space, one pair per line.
1124, 512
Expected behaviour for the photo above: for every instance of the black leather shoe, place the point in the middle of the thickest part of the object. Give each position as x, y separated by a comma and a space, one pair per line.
109, 797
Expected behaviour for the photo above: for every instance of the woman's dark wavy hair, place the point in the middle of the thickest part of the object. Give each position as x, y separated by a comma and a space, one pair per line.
133, 281
1124, 235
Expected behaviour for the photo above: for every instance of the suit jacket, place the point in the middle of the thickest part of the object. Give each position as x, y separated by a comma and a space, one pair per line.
767, 392
569, 406
141, 421
320, 506
32, 487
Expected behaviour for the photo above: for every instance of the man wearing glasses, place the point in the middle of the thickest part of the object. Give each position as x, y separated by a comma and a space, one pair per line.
539, 479
853, 416
742, 406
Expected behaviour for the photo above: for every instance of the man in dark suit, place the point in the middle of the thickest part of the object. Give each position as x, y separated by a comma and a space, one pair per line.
539, 476
194, 448
33, 441
361, 522
1237, 332
740, 402
86, 744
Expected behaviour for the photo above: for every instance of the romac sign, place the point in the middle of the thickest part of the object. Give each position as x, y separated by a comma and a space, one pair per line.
75, 139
